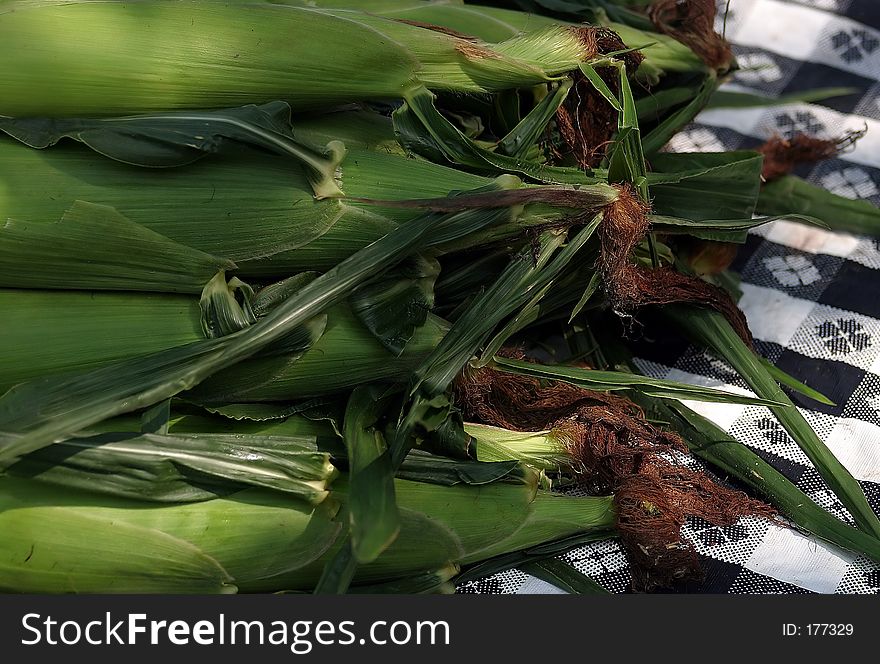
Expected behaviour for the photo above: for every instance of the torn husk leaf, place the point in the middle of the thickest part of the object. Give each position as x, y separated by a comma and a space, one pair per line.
782, 155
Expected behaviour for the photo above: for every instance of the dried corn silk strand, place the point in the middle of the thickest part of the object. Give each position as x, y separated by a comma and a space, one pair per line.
782, 155
630, 286
614, 449
586, 121
692, 22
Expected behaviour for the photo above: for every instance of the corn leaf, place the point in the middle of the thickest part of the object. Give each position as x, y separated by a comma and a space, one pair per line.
222, 312
592, 286
372, 510
721, 230
175, 139
530, 313
794, 384
338, 573
94, 247
706, 185
464, 275
514, 288
228, 307
395, 304
714, 445
419, 523
563, 576
601, 86
529, 130
675, 122
270, 296
508, 561
612, 381
712, 330
431, 422
792, 194
305, 424
422, 129
258, 412
734, 99
419, 466
652, 106
444, 434
156, 419
504, 116
435, 581
466, 19
627, 160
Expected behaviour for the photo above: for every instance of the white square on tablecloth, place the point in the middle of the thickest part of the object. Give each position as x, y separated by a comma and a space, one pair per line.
787, 555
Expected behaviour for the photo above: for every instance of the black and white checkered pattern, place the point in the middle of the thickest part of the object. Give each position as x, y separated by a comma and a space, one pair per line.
811, 298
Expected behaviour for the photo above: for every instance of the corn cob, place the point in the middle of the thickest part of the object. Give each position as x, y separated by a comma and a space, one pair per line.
254, 209
258, 541
413, 57
49, 332
117, 58
495, 25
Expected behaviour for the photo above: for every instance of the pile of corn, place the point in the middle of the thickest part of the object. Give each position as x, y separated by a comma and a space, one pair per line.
269, 273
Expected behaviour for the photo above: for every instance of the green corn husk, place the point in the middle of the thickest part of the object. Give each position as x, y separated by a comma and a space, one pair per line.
49, 332
494, 24
182, 468
661, 51
256, 541
790, 194
538, 449
43, 410
345, 355
166, 55
202, 457
319, 432
251, 208
257, 214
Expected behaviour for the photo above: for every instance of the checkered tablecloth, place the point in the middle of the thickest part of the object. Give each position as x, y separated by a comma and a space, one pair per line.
812, 299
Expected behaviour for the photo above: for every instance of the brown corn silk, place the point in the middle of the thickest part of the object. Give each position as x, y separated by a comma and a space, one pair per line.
782, 155
692, 22
630, 286
586, 121
614, 449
